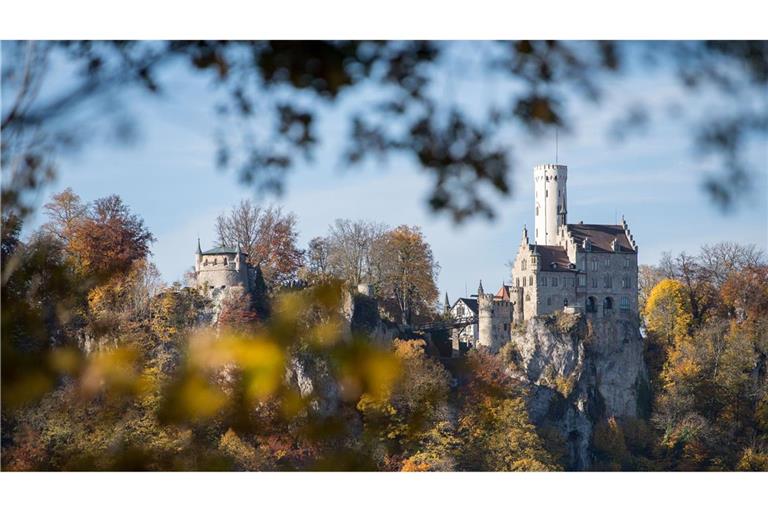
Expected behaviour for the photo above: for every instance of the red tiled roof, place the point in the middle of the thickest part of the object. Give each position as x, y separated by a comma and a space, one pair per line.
503, 293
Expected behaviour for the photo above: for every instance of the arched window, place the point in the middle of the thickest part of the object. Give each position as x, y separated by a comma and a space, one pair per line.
608, 303
565, 301
591, 305
226, 261
527, 297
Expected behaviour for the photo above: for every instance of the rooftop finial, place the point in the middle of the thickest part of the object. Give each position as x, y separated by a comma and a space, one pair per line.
199, 250
480, 291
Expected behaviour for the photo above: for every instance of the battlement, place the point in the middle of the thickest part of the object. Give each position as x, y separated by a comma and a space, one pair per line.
550, 167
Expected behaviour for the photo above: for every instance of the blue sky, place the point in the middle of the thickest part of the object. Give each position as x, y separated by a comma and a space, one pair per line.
655, 180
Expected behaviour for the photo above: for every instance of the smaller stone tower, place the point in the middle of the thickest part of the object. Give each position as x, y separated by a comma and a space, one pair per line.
484, 317
494, 318
221, 268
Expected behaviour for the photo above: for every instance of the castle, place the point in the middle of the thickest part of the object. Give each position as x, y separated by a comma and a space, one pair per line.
584, 268
223, 267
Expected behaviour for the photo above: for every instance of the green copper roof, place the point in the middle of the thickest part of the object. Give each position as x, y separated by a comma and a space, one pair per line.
222, 250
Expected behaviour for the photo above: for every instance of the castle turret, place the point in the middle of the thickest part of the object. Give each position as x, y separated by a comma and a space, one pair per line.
551, 201
484, 318
198, 256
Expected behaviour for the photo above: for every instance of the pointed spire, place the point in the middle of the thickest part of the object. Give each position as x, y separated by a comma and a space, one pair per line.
199, 250
525, 234
480, 291
447, 304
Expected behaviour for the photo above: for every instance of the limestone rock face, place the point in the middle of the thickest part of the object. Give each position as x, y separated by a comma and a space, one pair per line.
579, 371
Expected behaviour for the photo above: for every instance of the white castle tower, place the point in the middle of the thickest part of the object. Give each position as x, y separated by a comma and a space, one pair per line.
551, 201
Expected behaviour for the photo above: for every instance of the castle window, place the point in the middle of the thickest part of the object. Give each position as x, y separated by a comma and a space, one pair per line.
582, 280
607, 262
594, 282
537, 209
554, 281
625, 303
626, 262
607, 281
549, 301
591, 305
530, 280
608, 303
523, 265
226, 261
527, 297
565, 301
543, 281
517, 281
595, 265
625, 282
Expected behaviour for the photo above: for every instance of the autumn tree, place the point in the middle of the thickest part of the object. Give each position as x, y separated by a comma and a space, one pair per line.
745, 293
238, 311
412, 422
267, 235
64, 211
648, 276
317, 256
350, 250
405, 273
109, 239
494, 425
667, 314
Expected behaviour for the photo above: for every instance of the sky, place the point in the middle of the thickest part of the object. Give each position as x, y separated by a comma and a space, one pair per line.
167, 176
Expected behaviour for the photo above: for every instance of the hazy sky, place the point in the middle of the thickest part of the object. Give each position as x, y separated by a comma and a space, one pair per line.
655, 179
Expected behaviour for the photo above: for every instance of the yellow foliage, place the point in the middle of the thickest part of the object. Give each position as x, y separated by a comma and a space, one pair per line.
667, 313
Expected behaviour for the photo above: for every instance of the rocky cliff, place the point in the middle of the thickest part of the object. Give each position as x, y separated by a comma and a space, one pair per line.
579, 371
